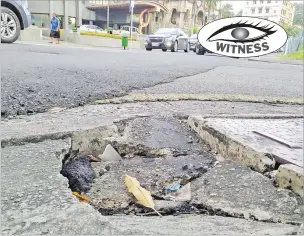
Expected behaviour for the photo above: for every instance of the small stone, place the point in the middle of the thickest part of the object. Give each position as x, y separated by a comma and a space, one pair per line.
232, 169
297, 211
213, 194
237, 190
188, 167
217, 183
190, 139
110, 154
102, 172
107, 168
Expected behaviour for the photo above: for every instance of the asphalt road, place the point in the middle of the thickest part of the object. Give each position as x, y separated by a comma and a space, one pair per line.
38, 77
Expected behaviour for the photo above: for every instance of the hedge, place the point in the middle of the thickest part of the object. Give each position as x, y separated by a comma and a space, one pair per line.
105, 35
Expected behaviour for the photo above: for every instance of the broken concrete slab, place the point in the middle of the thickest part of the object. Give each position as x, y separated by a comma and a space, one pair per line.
235, 139
110, 154
109, 193
35, 197
291, 177
231, 189
44, 126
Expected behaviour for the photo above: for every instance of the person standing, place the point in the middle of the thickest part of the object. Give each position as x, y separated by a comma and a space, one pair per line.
55, 29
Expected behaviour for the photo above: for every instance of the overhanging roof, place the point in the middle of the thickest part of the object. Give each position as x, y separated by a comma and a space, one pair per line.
138, 6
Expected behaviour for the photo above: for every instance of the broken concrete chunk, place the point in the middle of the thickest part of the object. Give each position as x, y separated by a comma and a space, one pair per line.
291, 177
110, 154
243, 193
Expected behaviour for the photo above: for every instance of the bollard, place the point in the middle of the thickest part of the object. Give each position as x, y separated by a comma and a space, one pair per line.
124, 41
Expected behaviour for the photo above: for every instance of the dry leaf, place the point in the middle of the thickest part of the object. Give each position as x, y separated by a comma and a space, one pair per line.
142, 195
80, 197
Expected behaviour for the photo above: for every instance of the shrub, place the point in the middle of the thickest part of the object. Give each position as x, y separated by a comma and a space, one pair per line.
299, 55
104, 35
195, 30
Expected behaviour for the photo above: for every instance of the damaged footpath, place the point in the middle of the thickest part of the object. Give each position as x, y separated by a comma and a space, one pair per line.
194, 185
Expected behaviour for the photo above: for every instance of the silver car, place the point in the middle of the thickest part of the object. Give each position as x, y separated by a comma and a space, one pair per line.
15, 17
173, 39
193, 41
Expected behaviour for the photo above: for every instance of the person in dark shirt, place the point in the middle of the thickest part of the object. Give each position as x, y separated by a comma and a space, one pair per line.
55, 29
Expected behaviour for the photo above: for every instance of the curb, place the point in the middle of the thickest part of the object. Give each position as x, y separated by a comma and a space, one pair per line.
293, 62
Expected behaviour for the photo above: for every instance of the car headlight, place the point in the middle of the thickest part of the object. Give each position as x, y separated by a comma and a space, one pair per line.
168, 40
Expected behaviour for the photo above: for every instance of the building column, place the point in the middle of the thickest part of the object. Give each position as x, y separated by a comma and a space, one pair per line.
51, 2
66, 15
181, 19
79, 13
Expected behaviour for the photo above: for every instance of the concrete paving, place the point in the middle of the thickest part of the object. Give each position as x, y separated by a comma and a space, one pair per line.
48, 125
262, 144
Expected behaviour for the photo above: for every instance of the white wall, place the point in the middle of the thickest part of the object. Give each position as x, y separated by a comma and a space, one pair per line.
58, 7
39, 6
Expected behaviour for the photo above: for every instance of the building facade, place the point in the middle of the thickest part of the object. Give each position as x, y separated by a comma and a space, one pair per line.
281, 12
148, 15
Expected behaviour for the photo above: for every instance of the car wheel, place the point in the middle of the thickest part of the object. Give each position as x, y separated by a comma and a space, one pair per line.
194, 50
149, 49
188, 48
164, 50
198, 52
175, 46
10, 26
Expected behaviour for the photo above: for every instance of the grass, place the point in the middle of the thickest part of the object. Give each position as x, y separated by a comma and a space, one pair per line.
104, 35
299, 55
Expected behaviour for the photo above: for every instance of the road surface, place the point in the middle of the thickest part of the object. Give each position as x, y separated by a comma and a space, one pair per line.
38, 77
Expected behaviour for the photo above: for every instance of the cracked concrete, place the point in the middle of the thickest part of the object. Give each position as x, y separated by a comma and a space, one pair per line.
44, 126
155, 149
257, 198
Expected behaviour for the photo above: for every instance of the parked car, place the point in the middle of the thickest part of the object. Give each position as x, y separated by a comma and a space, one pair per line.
91, 28
126, 30
173, 39
15, 17
193, 41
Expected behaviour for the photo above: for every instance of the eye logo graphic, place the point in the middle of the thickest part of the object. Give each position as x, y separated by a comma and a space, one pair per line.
242, 37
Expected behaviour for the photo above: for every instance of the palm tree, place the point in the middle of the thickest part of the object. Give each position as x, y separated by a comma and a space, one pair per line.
211, 6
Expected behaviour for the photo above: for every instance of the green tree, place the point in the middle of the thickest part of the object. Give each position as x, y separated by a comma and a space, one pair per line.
240, 13
211, 6
227, 11
299, 14
291, 30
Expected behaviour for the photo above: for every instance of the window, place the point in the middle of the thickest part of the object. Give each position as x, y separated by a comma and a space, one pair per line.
260, 10
274, 11
247, 3
254, 2
41, 20
261, 2
253, 11
283, 12
268, 2
267, 10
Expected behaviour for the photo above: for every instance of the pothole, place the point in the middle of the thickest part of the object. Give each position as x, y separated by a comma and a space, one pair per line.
176, 167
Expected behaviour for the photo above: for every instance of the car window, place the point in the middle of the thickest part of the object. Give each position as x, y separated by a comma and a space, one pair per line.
194, 36
170, 31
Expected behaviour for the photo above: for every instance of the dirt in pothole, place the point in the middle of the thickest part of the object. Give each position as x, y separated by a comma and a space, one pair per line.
159, 153
162, 153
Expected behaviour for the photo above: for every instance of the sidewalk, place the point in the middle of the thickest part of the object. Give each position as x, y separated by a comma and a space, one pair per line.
36, 198
64, 44
274, 58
